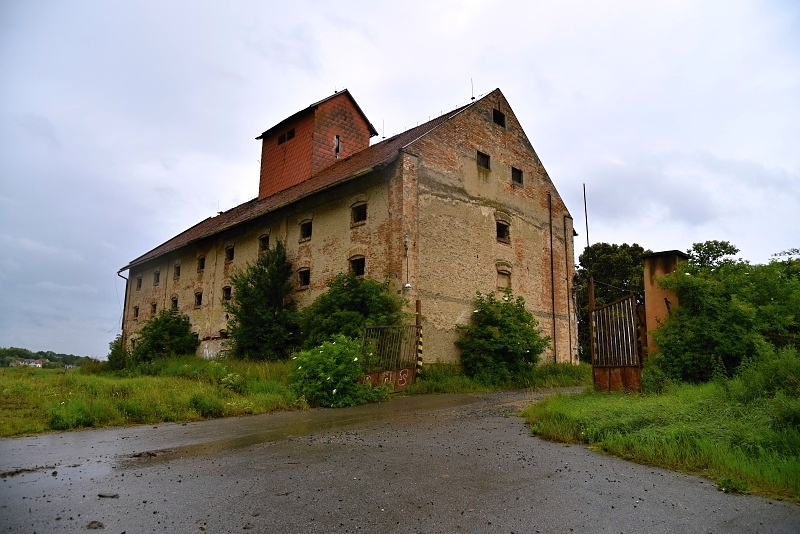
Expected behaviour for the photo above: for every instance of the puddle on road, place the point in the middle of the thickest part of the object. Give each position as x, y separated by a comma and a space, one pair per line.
277, 426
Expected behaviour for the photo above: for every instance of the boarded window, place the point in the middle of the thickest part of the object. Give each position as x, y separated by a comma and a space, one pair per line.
503, 280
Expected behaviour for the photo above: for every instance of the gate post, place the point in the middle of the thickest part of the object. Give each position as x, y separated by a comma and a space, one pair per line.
419, 335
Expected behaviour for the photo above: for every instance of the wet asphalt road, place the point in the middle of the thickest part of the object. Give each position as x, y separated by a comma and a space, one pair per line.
442, 463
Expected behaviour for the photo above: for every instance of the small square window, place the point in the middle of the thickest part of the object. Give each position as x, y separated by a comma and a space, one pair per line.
483, 160
136, 312
198, 299
174, 303
499, 118
281, 139
304, 277
226, 293
176, 272
201, 263
516, 176
290, 134
229, 254
358, 214
358, 265
153, 308
503, 232
305, 230
138, 283
263, 242
156, 278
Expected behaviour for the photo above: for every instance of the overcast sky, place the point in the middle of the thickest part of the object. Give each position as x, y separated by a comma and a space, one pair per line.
123, 123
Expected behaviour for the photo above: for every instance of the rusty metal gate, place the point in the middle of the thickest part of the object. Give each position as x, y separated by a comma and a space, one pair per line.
390, 354
616, 344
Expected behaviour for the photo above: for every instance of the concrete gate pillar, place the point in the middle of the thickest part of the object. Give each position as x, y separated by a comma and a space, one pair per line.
658, 301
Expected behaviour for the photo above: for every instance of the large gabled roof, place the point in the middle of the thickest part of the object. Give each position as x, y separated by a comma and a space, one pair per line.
310, 109
375, 157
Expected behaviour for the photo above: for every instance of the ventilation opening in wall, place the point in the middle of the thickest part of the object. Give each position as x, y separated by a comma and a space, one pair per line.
498, 117
176, 272
358, 214
483, 160
358, 265
226, 293
516, 176
304, 277
263, 242
201, 263
198, 299
305, 230
229, 253
503, 232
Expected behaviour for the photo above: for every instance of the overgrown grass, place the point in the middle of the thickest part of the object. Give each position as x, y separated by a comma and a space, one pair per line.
173, 389
702, 429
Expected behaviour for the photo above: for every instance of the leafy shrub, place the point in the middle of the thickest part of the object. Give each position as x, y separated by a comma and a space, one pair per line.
263, 322
350, 304
502, 342
167, 334
328, 375
206, 406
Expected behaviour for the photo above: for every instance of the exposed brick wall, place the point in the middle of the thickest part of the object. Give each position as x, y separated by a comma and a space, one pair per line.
337, 116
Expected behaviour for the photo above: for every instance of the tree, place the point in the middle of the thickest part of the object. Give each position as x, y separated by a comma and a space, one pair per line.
118, 355
502, 342
617, 271
711, 253
169, 333
263, 320
350, 304
728, 311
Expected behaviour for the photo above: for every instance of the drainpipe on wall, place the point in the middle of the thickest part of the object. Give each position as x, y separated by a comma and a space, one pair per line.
552, 275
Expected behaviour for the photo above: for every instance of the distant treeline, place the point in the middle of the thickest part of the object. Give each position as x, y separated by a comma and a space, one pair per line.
49, 358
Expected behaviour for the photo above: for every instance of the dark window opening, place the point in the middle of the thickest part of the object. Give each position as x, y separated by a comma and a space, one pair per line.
281, 139
176, 272
337, 146
201, 263
138, 283
498, 117
358, 214
304, 277
263, 243
358, 265
226, 293
156, 278
228, 253
136, 312
133, 344
503, 232
305, 230
174, 303
483, 160
152, 308
290, 135
198, 298
516, 176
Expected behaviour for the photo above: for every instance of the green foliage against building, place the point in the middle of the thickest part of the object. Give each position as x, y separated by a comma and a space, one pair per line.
169, 333
617, 271
502, 342
730, 312
263, 319
349, 304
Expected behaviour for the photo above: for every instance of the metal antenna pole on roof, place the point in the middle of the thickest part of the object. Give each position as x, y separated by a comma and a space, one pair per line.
586, 215
471, 89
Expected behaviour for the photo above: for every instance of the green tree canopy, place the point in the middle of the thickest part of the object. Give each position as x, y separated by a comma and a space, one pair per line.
711, 253
263, 319
350, 304
169, 333
617, 271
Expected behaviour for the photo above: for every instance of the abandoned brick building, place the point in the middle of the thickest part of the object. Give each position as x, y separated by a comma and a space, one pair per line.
456, 205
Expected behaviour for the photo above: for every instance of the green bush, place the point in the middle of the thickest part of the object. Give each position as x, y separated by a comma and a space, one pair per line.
167, 334
328, 375
263, 322
117, 354
503, 341
350, 304
206, 406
